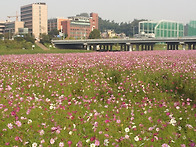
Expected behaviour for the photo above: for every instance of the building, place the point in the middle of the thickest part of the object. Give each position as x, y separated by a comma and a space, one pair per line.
2, 27
192, 28
79, 27
161, 29
13, 27
108, 34
35, 17
55, 23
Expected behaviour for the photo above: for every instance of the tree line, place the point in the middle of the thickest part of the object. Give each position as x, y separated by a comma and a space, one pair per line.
129, 28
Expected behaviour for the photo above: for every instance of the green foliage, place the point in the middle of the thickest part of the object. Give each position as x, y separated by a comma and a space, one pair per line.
18, 39
128, 28
8, 35
44, 38
29, 38
83, 14
53, 33
95, 34
17, 43
1, 36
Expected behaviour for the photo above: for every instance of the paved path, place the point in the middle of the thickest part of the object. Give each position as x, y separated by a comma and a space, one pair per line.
41, 45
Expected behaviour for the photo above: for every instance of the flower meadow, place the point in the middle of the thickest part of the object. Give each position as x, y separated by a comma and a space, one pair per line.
98, 99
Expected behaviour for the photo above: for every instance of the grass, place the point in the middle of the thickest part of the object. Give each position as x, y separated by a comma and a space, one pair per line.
38, 50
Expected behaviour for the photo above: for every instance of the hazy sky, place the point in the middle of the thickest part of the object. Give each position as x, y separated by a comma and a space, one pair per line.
117, 10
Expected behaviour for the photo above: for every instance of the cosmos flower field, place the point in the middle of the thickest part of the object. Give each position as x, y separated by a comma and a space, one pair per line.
98, 99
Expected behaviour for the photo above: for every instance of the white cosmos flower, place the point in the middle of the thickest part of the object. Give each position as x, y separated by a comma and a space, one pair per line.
51, 107
173, 121
29, 121
92, 145
127, 130
136, 138
70, 132
34, 144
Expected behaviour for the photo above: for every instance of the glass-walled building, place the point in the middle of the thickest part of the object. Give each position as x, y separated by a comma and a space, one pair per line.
147, 28
192, 28
161, 29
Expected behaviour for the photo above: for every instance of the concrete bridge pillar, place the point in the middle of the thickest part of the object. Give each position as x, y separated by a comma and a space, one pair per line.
87, 47
131, 47
145, 47
111, 47
137, 47
184, 47
152, 47
107, 47
189, 46
104, 47
148, 47
194, 46
168, 47
176, 46
94, 47
125, 47
121, 47
142, 47
100, 47
172, 46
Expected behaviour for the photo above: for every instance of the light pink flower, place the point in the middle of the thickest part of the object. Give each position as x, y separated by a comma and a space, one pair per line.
10, 126
61, 144
52, 141
18, 123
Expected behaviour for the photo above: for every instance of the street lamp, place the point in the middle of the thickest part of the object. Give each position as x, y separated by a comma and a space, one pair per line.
33, 46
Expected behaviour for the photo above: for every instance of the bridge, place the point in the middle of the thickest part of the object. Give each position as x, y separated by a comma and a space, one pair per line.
126, 44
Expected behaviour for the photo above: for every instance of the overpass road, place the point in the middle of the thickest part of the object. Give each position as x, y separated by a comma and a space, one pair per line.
126, 44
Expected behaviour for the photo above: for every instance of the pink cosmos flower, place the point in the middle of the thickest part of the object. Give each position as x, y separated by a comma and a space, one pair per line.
69, 142
7, 143
97, 143
118, 121
18, 123
41, 132
164, 145
107, 121
16, 138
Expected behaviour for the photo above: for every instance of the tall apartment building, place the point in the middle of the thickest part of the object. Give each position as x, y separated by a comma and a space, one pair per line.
35, 17
55, 23
80, 27
2, 27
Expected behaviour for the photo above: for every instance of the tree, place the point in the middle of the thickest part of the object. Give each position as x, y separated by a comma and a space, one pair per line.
83, 14
29, 38
1, 36
53, 33
128, 28
95, 34
44, 38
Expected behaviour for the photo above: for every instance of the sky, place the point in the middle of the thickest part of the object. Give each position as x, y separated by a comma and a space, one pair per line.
118, 10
